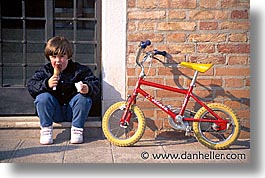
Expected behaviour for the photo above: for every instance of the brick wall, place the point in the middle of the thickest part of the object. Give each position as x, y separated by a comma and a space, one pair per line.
215, 31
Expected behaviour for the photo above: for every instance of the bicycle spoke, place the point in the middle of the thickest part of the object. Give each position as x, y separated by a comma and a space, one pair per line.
212, 135
117, 130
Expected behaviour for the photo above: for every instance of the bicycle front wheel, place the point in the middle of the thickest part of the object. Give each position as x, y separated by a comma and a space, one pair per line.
119, 135
206, 132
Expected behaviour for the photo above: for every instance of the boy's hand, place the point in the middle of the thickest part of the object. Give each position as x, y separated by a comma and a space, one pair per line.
84, 89
53, 81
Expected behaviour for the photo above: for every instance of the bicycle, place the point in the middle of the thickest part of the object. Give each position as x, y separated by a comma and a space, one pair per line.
214, 125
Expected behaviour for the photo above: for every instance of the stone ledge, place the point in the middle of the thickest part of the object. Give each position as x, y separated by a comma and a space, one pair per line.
14, 122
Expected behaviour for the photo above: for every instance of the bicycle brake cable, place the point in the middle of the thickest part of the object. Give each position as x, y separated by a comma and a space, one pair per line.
150, 64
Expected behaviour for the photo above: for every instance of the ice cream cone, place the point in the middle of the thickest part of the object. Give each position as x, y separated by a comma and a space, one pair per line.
57, 71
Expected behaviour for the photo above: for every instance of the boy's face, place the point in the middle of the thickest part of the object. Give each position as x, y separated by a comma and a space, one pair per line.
59, 60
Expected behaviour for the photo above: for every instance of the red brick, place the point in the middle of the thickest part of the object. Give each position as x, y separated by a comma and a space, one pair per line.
233, 104
206, 48
209, 4
131, 26
172, 26
131, 81
235, 25
131, 3
169, 94
148, 113
238, 37
248, 82
142, 26
208, 25
232, 71
146, 4
183, 4
175, 81
182, 48
161, 114
207, 59
130, 71
238, 60
136, 37
243, 114
209, 15
234, 3
234, 48
203, 93
232, 94
239, 14
202, 15
163, 3
234, 83
207, 37
209, 81
146, 15
176, 14
176, 37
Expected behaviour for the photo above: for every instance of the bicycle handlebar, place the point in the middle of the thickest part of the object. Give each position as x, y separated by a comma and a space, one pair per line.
162, 53
143, 44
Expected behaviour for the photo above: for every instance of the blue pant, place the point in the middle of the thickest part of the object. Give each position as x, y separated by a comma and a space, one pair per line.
49, 110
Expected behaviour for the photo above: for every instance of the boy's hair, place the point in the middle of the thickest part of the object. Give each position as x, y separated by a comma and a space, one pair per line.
58, 46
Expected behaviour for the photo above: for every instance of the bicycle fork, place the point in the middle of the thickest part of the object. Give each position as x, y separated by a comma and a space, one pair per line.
127, 114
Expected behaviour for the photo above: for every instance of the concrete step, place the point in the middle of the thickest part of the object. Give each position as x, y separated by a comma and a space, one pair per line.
23, 122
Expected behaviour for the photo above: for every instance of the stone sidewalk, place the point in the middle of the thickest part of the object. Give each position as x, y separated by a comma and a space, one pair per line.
22, 146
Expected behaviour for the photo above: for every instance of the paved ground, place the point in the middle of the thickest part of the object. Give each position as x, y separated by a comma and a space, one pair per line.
22, 146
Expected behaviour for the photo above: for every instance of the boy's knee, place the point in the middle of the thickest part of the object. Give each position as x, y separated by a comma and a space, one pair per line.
83, 100
44, 98
86, 100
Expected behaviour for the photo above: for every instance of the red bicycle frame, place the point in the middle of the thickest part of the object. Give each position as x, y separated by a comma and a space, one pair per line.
187, 92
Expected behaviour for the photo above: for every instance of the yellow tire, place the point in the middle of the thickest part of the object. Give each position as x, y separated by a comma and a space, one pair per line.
118, 135
212, 138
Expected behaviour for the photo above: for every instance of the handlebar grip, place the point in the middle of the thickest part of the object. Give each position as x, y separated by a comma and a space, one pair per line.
145, 44
162, 53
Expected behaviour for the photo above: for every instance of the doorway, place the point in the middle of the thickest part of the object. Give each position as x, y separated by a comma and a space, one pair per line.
25, 27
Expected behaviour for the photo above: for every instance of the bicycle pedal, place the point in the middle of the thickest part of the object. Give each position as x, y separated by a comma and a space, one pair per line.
188, 132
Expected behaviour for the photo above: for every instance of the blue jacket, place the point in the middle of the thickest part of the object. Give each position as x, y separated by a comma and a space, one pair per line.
65, 90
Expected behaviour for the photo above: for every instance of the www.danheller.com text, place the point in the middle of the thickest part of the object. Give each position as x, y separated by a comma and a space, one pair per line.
211, 155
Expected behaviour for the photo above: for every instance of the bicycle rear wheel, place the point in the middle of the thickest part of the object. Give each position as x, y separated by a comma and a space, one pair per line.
206, 132
123, 136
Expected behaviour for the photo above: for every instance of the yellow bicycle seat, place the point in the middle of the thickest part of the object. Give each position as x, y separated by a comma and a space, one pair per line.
195, 66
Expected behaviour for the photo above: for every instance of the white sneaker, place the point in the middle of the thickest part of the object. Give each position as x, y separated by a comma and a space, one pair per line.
76, 135
46, 135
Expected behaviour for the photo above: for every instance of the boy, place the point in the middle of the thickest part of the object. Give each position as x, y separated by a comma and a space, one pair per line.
63, 96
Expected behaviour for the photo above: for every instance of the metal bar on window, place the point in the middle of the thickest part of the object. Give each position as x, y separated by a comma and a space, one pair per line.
49, 15
1, 56
84, 42
24, 44
75, 18
98, 35
75, 28
19, 41
19, 18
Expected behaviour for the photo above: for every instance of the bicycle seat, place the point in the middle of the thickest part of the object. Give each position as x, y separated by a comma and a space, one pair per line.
195, 66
